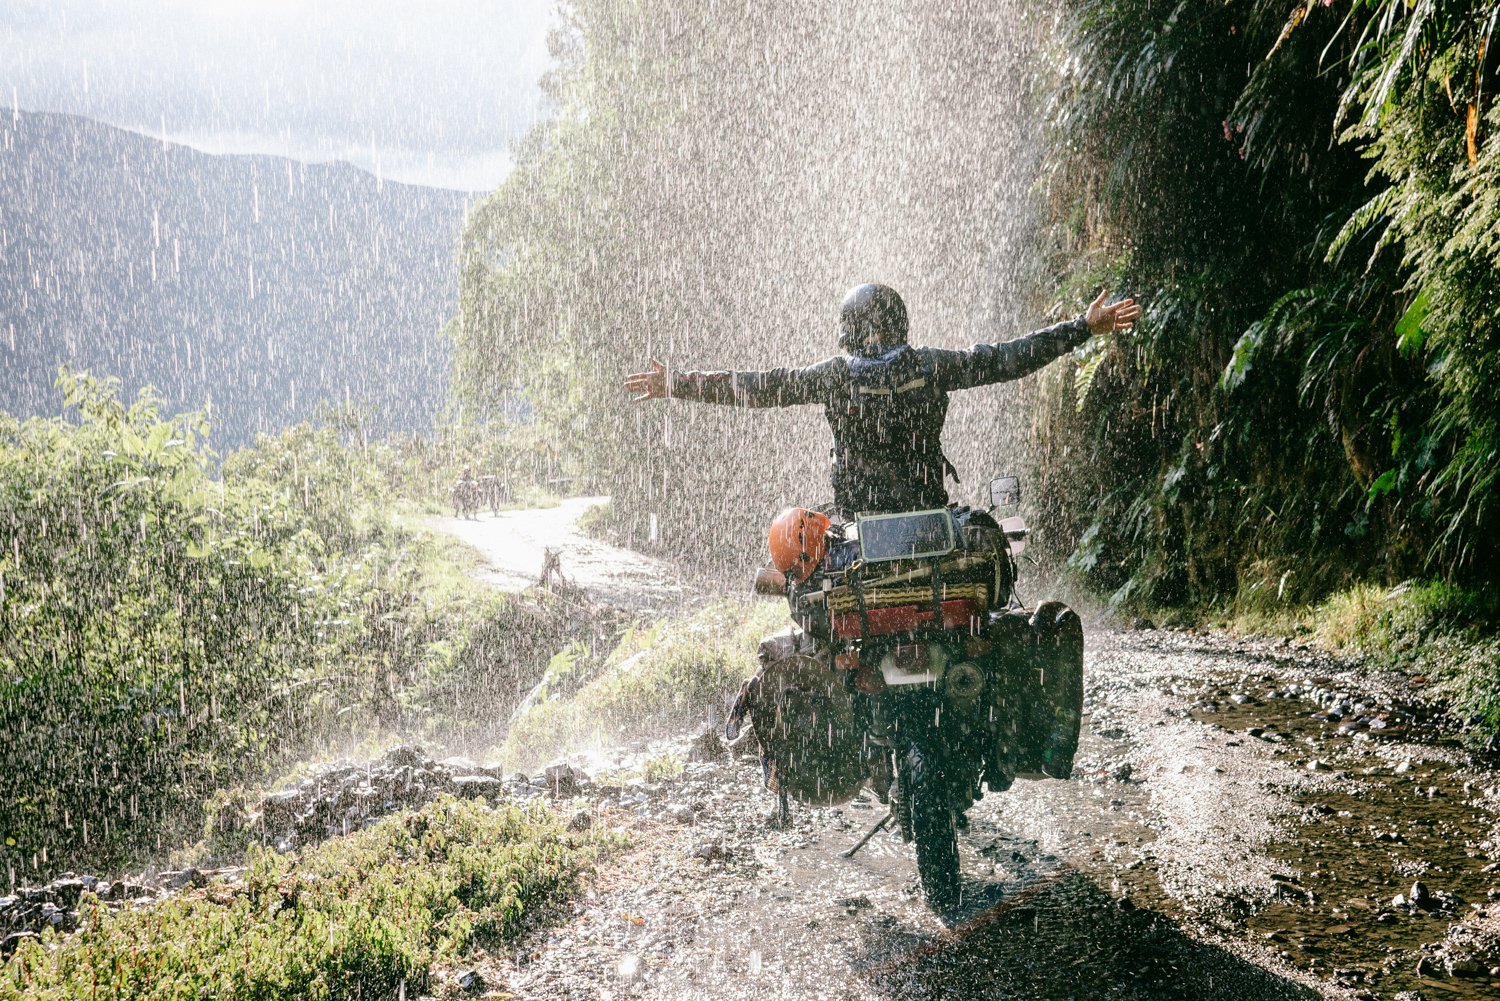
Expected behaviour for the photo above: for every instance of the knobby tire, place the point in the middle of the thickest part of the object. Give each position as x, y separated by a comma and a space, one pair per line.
932, 827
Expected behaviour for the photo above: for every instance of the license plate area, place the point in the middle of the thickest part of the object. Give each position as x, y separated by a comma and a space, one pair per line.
911, 664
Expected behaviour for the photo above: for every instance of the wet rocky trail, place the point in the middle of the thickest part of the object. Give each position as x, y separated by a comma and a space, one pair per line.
1299, 810
1246, 820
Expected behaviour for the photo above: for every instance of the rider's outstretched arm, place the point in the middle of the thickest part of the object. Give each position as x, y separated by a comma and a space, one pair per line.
986, 363
776, 387
983, 364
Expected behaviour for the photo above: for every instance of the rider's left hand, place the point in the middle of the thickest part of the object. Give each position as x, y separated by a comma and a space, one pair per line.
1104, 319
650, 385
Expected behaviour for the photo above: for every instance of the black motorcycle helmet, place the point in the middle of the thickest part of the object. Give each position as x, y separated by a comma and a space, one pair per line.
871, 309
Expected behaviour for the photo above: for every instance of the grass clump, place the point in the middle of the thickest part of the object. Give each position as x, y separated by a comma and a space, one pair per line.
1394, 623
662, 767
356, 917
599, 522
659, 679
1430, 628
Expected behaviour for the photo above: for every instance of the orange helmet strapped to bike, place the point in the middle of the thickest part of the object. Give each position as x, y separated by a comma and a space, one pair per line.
798, 541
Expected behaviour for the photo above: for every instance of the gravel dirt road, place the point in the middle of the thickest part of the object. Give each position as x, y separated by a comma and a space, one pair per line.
1246, 820
514, 545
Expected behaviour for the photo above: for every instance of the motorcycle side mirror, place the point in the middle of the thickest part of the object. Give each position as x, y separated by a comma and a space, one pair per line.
1005, 491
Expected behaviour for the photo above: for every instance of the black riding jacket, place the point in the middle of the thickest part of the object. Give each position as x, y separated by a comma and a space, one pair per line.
886, 411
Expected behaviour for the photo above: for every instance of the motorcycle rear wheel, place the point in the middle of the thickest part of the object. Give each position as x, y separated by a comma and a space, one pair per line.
934, 834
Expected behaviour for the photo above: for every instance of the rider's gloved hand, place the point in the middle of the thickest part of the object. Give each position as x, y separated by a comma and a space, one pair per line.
652, 385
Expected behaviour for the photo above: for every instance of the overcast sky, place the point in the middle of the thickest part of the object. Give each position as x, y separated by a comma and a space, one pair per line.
423, 91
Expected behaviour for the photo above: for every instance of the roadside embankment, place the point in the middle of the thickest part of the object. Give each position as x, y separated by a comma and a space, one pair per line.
367, 915
1445, 638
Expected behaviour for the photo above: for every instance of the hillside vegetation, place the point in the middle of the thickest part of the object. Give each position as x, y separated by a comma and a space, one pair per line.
673, 676
1305, 196
367, 915
169, 627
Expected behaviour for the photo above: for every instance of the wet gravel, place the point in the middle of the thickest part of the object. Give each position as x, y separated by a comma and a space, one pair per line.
1227, 834
1205, 848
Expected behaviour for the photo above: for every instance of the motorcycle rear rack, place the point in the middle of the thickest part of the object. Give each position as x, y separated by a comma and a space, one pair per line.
958, 613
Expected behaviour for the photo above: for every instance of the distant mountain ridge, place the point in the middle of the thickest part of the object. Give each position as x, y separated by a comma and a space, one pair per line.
262, 284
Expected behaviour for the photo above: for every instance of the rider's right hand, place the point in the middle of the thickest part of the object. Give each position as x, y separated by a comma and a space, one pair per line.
652, 385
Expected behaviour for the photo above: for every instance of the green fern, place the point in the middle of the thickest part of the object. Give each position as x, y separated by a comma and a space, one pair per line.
1083, 376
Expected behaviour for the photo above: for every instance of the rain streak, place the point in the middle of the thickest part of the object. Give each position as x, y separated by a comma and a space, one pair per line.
676, 499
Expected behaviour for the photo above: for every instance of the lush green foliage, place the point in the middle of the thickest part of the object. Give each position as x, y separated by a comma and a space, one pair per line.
334, 465
670, 677
359, 916
153, 625
166, 631
1304, 195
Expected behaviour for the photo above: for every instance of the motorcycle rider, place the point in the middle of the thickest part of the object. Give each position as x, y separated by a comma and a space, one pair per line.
885, 400
465, 494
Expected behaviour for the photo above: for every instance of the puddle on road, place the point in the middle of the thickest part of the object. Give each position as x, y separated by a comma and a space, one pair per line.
1392, 813
1065, 879
1388, 801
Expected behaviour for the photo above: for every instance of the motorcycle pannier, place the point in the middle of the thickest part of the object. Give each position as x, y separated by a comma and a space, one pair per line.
811, 741
1040, 692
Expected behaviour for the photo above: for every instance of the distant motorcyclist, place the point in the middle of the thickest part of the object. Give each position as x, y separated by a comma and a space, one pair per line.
465, 494
493, 491
885, 400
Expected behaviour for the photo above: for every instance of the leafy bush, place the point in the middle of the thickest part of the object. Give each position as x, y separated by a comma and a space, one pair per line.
1304, 196
359, 916
154, 628
165, 632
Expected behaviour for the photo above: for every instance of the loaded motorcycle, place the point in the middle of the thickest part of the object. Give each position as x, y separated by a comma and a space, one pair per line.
913, 668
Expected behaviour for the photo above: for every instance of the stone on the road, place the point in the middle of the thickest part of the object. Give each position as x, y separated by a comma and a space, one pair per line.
563, 780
